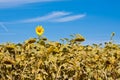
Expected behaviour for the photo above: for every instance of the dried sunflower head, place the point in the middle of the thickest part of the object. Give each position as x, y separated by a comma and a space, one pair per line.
10, 46
79, 38
8, 61
31, 40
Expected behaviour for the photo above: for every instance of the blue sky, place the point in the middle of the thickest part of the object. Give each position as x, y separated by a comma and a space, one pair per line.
94, 19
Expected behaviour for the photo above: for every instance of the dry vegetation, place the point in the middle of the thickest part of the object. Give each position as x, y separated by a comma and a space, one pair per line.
40, 59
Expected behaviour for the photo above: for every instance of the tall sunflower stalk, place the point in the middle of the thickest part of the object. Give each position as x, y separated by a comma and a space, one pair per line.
112, 35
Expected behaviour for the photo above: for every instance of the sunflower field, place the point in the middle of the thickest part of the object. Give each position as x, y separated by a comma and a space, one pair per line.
41, 59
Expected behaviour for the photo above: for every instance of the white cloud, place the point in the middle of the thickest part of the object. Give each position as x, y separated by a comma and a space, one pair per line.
6, 31
52, 17
48, 17
12, 3
3, 26
23, 1
69, 18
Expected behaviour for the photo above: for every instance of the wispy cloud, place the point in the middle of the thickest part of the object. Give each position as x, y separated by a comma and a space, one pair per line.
3, 27
47, 17
7, 34
69, 18
58, 16
6, 31
12, 3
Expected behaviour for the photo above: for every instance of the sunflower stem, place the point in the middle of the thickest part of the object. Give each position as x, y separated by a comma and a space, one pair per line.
39, 37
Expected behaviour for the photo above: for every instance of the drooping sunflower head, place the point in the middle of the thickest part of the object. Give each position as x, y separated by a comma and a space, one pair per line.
39, 30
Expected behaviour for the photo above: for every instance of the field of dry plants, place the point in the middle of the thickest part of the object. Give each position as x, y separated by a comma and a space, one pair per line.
41, 59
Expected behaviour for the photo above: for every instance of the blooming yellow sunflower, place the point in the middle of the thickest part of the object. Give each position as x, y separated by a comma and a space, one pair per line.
39, 30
